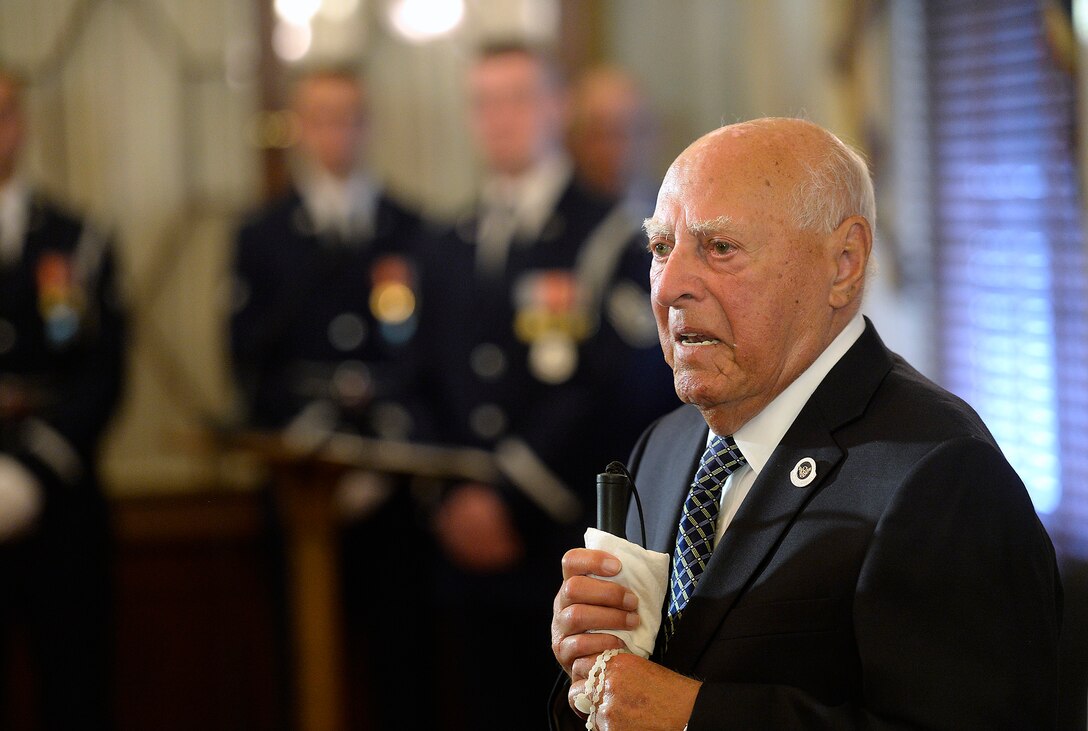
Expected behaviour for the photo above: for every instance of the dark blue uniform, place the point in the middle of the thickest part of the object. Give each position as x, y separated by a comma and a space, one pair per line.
322, 331
61, 362
554, 364
306, 328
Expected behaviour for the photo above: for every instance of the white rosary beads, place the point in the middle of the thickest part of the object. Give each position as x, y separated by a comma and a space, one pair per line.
587, 700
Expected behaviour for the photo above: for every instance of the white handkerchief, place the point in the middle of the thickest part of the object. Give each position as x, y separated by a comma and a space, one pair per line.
644, 572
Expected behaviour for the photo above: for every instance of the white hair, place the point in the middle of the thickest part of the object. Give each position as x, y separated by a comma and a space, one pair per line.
836, 187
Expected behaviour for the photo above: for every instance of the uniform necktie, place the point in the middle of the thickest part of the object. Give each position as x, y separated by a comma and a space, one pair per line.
695, 537
497, 227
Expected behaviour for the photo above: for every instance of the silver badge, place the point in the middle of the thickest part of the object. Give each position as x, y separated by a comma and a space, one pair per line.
553, 357
804, 472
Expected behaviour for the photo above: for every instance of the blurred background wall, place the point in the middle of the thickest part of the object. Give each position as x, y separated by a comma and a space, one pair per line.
163, 119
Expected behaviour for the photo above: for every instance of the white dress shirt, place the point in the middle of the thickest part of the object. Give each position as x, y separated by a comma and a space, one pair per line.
760, 436
344, 207
14, 205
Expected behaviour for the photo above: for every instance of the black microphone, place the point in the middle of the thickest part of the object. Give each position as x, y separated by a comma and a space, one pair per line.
613, 497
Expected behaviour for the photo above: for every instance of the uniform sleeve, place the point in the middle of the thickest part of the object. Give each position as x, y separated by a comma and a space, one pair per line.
260, 306
249, 298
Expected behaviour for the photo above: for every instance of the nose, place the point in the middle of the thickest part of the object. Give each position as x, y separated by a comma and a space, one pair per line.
676, 278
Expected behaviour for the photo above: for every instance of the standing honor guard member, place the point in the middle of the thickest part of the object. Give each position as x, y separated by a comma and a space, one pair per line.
61, 363
325, 293
325, 313
542, 349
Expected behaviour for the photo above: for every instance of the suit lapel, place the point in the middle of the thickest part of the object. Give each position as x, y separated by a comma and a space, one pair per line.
664, 477
750, 541
774, 501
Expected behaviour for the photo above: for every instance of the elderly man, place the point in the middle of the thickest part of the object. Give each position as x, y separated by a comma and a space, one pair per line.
854, 551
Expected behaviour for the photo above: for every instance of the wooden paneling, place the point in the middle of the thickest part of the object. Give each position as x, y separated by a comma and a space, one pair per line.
199, 626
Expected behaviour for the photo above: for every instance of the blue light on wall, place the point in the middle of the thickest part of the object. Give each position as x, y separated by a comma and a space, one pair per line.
1011, 270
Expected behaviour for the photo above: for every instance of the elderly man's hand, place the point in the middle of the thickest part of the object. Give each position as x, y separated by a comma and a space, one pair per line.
584, 603
643, 696
637, 694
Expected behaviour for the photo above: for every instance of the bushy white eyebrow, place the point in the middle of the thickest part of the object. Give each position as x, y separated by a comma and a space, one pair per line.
719, 225
655, 228
700, 229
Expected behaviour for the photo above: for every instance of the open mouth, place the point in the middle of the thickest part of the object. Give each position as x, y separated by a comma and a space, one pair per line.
694, 338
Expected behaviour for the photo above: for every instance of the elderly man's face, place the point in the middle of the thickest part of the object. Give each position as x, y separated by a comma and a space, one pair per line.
332, 123
516, 113
740, 294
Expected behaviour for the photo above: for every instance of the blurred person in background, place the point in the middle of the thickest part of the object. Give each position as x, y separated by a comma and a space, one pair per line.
540, 348
612, 137
61, 365
324, 314
313, 346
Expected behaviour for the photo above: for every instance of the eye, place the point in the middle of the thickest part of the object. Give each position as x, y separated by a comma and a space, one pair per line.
660, 247
722, 248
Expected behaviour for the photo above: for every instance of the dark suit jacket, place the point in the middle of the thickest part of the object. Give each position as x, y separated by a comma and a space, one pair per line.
910, 585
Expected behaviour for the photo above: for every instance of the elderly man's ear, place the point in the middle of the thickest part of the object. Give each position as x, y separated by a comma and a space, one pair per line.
853, 242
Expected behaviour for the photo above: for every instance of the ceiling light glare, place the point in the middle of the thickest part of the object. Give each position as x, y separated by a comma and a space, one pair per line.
338, 10
292, 42
297, 12
425, 20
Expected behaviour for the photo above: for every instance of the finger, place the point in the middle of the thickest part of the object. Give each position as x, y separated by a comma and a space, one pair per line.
579, 618
568, 650
596, 592
573, 650
581, 561
568, 646
592, 646
576, 689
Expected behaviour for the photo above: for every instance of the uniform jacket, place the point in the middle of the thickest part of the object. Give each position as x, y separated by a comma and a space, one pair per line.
909, 585
480, 377
61, 348
304, 328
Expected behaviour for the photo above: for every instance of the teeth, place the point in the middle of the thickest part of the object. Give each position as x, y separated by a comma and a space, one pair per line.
696, 339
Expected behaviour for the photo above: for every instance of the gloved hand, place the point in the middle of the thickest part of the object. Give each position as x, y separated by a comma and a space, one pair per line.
21, 498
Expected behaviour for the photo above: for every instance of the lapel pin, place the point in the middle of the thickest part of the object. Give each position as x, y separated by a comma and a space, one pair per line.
804, 472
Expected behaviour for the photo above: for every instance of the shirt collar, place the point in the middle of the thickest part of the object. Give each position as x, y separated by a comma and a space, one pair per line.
760, 436
533, 195
347, 206
14, 209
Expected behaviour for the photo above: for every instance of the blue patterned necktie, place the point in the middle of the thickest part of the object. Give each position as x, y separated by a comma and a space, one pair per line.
695, 538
